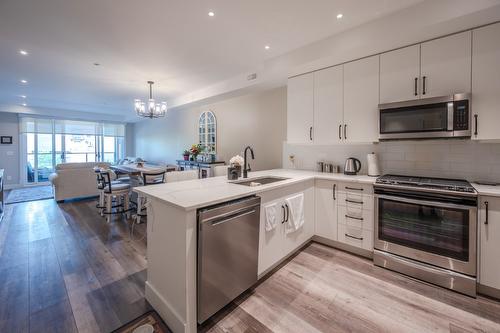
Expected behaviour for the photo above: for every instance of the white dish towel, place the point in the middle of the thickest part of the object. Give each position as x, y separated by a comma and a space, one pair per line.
296, 211
270, 211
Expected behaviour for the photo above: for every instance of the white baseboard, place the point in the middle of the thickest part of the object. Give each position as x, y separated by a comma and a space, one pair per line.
165, 310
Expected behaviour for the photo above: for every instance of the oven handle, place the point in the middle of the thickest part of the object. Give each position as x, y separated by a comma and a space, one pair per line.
424, 202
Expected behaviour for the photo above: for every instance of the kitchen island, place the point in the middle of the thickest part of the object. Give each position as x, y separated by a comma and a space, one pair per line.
172, 233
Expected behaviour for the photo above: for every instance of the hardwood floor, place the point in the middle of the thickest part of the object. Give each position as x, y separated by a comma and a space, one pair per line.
63, 269
327, 290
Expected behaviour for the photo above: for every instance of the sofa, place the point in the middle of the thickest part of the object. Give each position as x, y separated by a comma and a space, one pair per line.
75, 180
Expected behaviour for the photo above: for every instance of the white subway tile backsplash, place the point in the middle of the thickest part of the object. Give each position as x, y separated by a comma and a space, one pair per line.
440, 158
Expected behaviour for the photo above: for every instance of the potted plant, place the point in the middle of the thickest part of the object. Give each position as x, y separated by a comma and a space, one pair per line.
186, 154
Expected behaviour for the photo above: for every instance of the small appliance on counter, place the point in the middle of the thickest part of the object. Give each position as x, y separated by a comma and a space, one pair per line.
373, 168
327, 167
352, 166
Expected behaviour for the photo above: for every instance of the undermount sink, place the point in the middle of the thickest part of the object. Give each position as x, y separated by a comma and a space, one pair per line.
259, 181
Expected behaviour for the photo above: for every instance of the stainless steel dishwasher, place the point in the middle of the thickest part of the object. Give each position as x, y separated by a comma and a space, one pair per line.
228, 251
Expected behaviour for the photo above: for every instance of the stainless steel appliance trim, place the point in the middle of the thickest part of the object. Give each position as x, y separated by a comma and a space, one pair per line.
435, 275
224, 215
424, 202
227, 219
426, 189
425, 101
451, 111
467, 267
418, 135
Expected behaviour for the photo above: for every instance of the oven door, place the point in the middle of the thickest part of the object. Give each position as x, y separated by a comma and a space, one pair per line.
437, 233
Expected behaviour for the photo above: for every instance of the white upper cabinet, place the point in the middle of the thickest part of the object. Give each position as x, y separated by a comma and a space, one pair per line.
486, 82
328, 105
300, 105
446, 65
361, 99
400, 74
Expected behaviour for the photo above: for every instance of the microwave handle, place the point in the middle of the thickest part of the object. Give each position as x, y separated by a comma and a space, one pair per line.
451, 110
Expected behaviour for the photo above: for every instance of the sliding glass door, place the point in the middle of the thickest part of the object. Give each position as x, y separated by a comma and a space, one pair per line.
48, 142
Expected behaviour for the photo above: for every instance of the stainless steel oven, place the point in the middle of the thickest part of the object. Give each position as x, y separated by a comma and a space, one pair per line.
438, 117
427, 234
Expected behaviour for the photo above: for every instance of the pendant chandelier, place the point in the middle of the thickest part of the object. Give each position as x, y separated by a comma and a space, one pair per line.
152, 109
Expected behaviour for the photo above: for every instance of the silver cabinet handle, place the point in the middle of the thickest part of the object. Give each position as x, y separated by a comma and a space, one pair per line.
345, 131
358, 238
424, 78
340, 132
334, 190
354, 218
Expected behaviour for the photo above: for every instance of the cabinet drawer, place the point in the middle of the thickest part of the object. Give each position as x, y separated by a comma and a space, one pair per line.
355, 236
356, 217
356, 188
361, 200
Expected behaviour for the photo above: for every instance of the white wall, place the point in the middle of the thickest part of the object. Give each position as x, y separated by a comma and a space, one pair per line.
466, 159
258, 120
9, 154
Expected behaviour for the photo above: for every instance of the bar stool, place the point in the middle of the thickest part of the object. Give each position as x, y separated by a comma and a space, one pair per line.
148, 178
100, 187
114, 192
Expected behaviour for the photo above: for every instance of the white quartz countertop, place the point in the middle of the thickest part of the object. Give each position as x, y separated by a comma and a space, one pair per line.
193, 194
489, 190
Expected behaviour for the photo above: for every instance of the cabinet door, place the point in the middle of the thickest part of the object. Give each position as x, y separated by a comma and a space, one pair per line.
446, 65
361, 99
328, 105
300, 106
399, 74
325, 198
295, 239
270, 242
486, 82
489, 268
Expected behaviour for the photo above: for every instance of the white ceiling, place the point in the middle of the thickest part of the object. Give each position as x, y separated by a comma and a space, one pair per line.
174, 43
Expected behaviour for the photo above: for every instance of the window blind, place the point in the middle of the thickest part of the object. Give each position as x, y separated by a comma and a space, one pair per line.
74, 127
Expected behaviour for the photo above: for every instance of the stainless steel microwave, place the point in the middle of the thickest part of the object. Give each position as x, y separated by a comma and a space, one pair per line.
429, 118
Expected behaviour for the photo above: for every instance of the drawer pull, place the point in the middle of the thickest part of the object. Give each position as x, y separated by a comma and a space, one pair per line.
354, 218
353, 188
358, 238
354, 201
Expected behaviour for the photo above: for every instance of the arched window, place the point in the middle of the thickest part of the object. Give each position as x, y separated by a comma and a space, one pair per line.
207, 129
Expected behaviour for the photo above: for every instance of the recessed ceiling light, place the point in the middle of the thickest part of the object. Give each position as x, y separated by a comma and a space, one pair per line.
23, 52
24, 104
22, 96
339, 16
23, 81
97, 64
267, 47
211, 14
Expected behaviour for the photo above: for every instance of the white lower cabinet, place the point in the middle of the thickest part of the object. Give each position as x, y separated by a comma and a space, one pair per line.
489, 249
325, 198
276, 244
356, 215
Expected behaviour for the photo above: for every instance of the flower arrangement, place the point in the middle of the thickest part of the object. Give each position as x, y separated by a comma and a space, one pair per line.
236, 161
186, 154
195, 150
